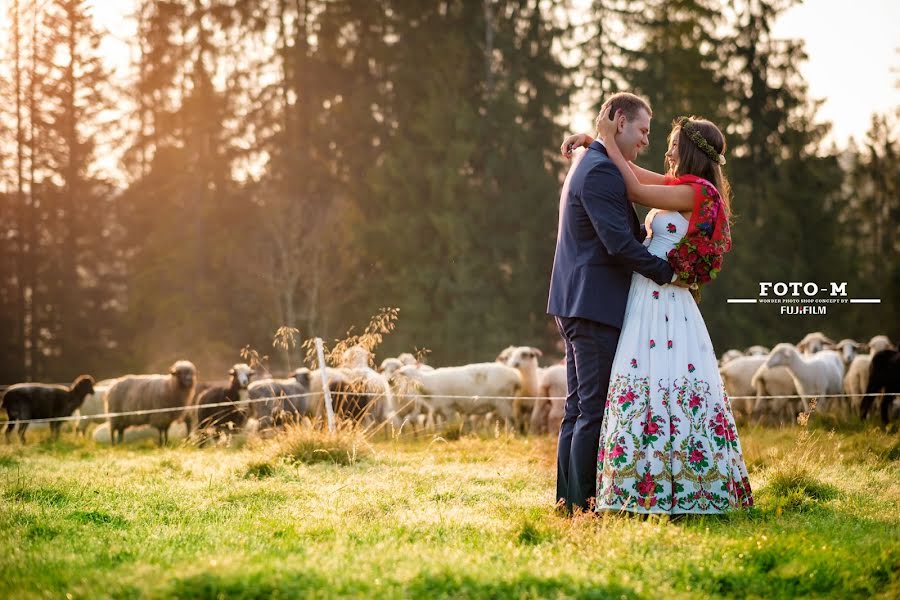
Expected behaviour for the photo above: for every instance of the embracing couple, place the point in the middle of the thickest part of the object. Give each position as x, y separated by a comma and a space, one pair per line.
647, 427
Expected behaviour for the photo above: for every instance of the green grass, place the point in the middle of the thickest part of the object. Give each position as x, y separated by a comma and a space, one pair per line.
440, 519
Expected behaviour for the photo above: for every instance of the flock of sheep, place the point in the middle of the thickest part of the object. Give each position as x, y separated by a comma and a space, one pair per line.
406, 393
757, 380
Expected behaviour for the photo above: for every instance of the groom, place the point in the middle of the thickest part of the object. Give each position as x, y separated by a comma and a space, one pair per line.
597, 249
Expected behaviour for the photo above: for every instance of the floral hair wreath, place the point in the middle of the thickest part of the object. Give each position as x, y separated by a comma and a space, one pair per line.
700, 141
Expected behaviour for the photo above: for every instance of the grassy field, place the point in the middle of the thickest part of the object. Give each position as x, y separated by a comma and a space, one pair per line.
440, 519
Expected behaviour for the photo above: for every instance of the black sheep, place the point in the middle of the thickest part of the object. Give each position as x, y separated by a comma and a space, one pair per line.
884, 375
25, 401
222, 418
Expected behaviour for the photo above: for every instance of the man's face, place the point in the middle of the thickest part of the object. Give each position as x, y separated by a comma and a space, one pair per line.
633, 135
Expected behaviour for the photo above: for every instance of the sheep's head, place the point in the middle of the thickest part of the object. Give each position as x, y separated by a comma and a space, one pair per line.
83, 385
504, 355
356, 357
728, 356
184, 373
814, 342
389, 366
407, 359
757, 351
242, 373
879, 343
782, 355
302, 375
848, 349
523, 357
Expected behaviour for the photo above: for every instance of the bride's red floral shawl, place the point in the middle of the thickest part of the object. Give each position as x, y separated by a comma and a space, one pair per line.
709, 218
697, 257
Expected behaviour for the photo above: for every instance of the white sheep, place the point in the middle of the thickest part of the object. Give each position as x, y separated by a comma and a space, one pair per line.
757, 351
525, 360
475, 389
857, 378
140, 392
817, 375
737, 376
777, 400
554, 386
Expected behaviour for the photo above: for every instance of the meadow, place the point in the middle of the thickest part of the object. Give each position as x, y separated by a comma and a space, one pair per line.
307, 515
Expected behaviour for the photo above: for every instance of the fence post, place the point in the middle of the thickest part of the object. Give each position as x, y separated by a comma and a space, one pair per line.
329, 410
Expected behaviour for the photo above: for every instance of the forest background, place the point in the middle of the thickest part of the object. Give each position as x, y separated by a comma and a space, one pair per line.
306, 162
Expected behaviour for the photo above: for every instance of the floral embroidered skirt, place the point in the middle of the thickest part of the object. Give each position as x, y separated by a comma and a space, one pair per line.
668, 443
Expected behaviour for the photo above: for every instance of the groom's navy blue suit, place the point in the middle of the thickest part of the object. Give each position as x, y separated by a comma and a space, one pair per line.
597, 249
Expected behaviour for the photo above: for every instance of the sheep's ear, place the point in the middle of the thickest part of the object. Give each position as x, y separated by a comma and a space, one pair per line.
252, 372
231, 371
537, 351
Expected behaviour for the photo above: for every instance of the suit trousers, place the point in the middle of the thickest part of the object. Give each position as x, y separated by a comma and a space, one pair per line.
590, 349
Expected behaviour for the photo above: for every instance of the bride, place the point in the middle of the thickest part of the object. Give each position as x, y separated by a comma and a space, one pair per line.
668, 443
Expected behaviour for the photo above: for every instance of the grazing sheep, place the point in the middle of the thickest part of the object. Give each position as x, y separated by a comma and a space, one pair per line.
224, 418
771, 385
884, 376
475, 389
24, 401
525, 360
94, 404
856, 381
737, 379
728, 356
820, 374
289, 399
141, 392
813, 343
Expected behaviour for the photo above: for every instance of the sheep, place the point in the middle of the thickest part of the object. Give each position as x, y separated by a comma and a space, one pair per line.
737, 376
140, 392
554, 386
356, 357
813, 343
525, 360
857, 378
820, 374
290, 398
475, 389
728, 356
222, 418
363, 394
24, 401
884, 375
94, 404
773, 387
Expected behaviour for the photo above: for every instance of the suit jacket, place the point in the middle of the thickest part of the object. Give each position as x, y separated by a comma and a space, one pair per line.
598, 245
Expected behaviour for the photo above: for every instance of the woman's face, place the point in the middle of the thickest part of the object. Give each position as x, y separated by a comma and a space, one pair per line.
672, 152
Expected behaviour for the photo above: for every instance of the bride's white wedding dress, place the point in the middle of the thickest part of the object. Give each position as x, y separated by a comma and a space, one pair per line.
668, 443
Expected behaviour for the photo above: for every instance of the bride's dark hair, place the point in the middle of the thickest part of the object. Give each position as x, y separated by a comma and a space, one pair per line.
694, 161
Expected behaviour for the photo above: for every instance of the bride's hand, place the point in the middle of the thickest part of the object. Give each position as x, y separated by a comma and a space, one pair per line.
574, 141
606, 128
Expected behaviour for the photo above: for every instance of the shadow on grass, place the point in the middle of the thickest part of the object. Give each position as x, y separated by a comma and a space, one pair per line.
424, 585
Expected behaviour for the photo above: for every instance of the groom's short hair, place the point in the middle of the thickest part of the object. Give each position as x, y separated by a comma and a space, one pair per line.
629, 104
